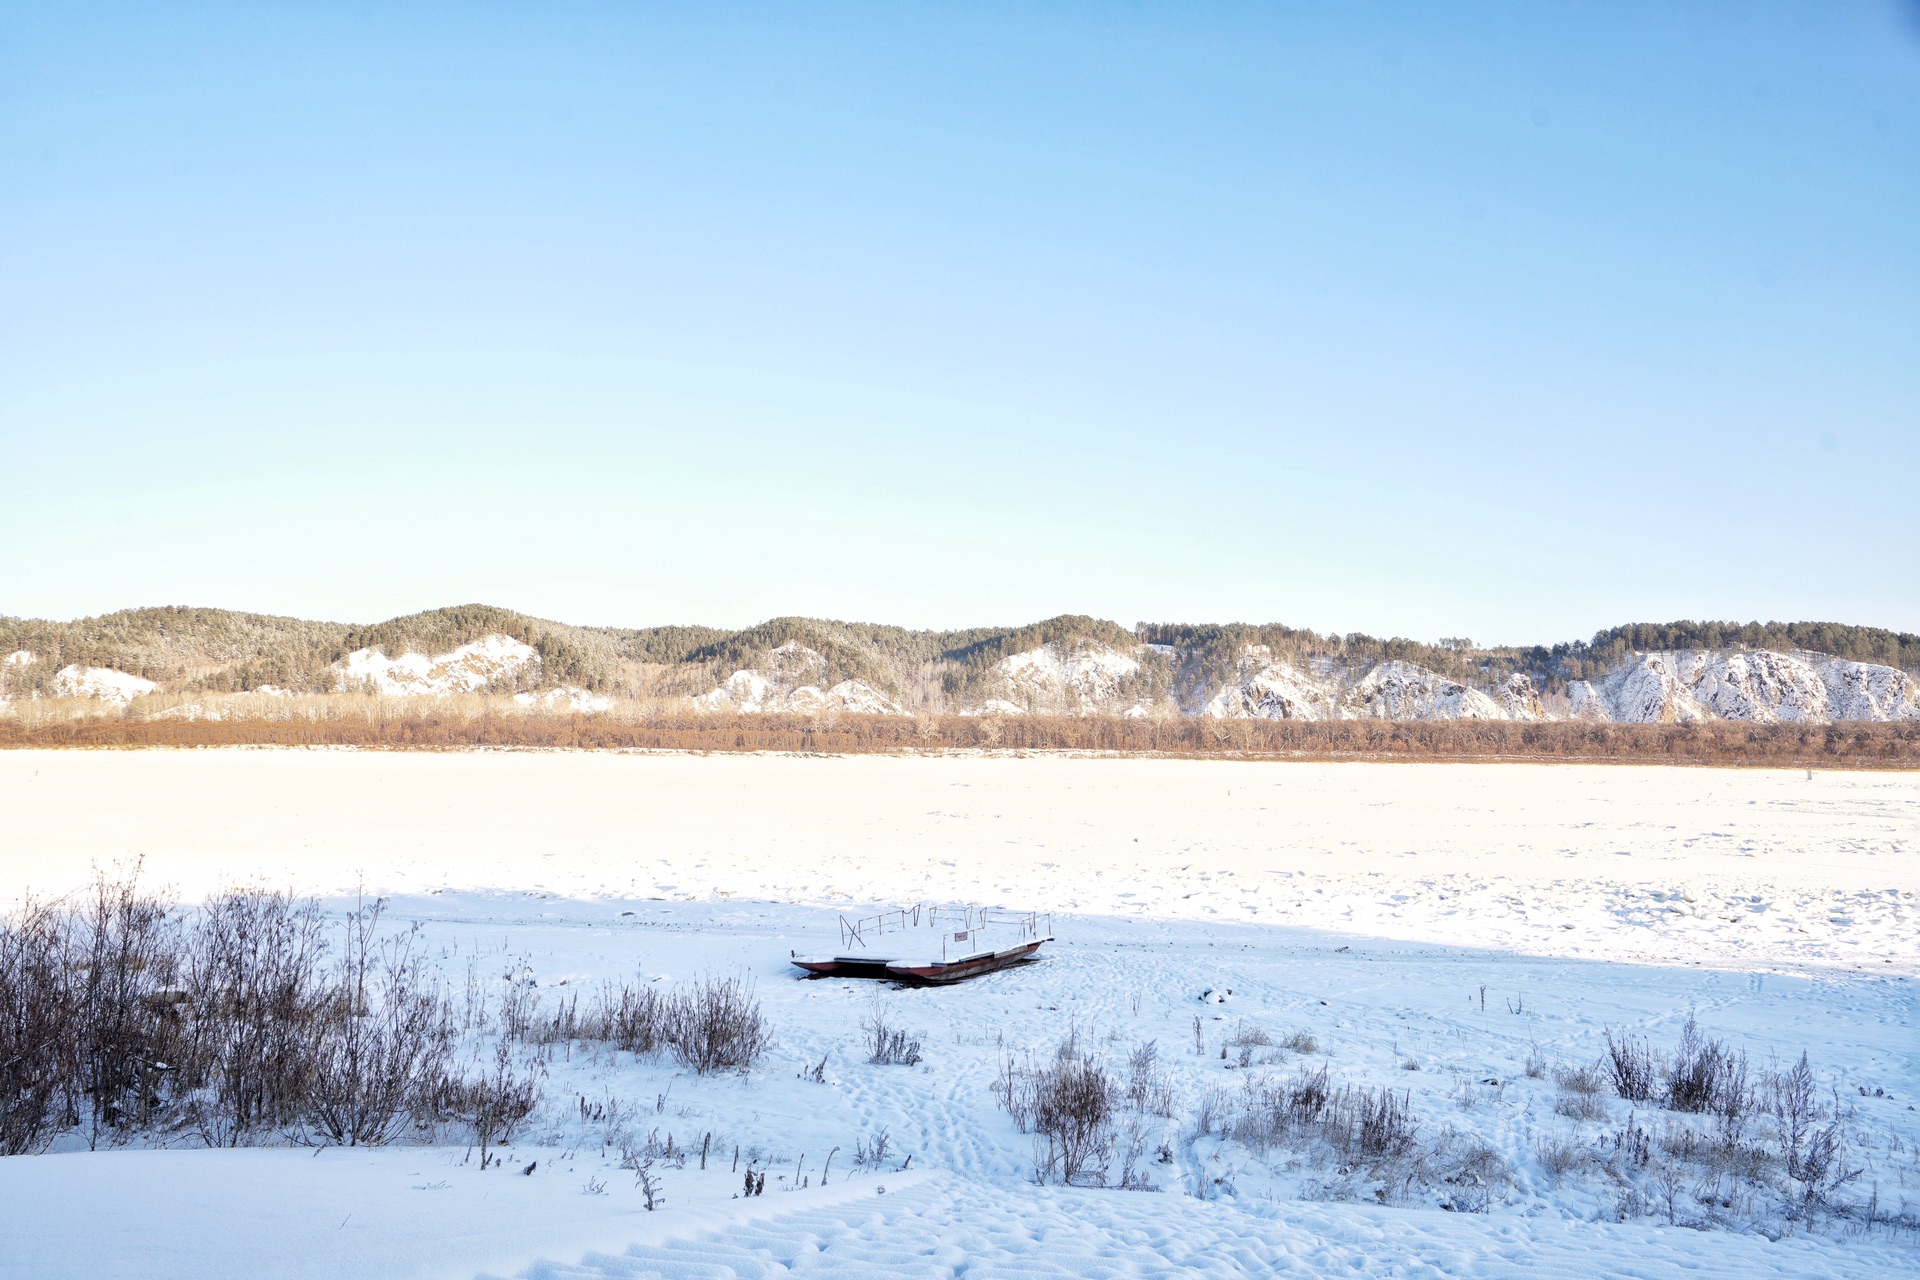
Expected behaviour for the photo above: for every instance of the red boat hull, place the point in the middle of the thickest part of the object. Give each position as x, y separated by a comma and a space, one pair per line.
938, 972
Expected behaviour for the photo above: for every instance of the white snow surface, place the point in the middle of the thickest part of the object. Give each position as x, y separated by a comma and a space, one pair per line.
467, 669
19, 658
74, 681
1460, 916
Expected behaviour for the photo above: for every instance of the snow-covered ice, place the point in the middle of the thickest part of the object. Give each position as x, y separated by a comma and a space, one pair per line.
1464, 918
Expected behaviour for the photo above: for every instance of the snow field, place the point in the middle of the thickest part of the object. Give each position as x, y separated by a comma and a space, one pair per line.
1389, 913
1767, 869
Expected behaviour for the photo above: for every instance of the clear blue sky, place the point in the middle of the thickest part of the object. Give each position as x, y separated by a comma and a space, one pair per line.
1511, 321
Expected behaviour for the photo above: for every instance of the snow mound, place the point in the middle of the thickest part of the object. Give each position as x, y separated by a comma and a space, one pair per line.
468, 669
20, 658
1080, 678
104, 683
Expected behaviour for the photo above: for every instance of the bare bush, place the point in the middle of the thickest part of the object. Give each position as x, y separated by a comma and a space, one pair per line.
494, 1102
1250, 1034
1561, 1156
1580, 1106
383, 1051
637, 1019
34, 1029
1149, 1090
1350, 1124
1814, 1153
1635, 1074
122, 949
1069, 1105
888, 1045
254, 1002
123, 1015
1582, 1080
717, 1026
1474, 1174
1300, 1042
1706, 1076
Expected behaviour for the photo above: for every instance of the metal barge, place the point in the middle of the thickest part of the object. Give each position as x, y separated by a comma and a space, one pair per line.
933, 944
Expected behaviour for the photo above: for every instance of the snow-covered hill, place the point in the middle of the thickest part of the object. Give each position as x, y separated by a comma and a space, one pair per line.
1657, 688
467, 669
1763, 687
790, 683
1063, 679
1065, 666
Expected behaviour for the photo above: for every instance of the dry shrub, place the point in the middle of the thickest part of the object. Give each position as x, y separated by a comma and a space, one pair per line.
1149, 1089
888, 1045
1586, 1080
1250, 1034
1561, 1156
386, 1046
1473, 1174
33, 1029
480, 720
1069, 1106
1630, 1059
1352, 1125
122, 1015
1706, 1076
637, 1019
256, 997
717, 1026
1300, 1042
1580, 1106
494, 1102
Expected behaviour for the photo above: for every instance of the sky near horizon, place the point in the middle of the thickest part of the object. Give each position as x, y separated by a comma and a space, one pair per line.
1512, 321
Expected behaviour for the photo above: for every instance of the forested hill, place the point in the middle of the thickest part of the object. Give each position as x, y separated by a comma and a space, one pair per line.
1180, 665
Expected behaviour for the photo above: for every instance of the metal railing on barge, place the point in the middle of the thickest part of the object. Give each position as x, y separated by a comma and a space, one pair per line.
957, 925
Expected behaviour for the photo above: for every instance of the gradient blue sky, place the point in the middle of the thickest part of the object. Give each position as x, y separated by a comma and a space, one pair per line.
1511, 321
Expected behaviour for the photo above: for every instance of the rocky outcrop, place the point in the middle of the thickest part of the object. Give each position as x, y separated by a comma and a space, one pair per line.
1758, 686
1404, 691
1269, 690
